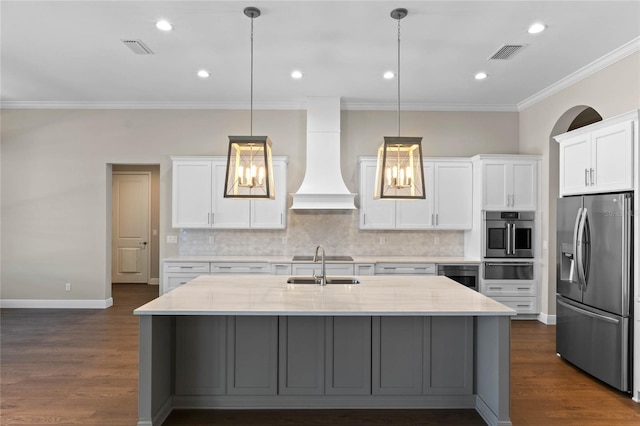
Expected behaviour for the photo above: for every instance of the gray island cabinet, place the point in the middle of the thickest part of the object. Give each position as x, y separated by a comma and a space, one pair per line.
257, 342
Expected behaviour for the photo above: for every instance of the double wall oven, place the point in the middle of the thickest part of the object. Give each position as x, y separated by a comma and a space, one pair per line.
508, 254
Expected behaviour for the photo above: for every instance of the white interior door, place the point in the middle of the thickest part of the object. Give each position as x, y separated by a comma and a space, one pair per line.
130, 227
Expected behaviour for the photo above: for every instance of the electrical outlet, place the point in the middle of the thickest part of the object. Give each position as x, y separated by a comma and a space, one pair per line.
172, 239
211, 240
67, 287
383, 241
436, 240
284, 240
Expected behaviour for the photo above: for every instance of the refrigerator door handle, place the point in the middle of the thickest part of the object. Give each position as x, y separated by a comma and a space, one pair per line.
588, 313
579, 243
575, 245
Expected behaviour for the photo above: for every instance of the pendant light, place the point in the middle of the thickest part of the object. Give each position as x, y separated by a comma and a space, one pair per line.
249, 162
399, 173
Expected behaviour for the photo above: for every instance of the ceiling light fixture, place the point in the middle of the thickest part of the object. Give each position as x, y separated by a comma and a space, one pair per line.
203, 74
399, 173
164, 25
296, 74
536, 28
481, 76
249, 163
389, 75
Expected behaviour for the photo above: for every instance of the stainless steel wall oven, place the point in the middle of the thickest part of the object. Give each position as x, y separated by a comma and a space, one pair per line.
508, 235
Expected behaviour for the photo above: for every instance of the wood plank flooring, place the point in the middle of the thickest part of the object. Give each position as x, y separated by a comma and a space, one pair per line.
80, 367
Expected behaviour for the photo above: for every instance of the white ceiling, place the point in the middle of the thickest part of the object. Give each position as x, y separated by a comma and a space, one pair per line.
66, 54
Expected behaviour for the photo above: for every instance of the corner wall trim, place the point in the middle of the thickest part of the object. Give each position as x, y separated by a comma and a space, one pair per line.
547, 319
55, 304
154, 281
584, 72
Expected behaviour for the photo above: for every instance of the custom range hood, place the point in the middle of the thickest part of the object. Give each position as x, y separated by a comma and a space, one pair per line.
323, 186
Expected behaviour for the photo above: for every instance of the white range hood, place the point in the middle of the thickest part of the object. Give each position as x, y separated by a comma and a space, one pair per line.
323, 186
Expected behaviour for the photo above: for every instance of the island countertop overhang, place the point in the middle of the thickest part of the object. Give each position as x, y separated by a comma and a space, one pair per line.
375, 296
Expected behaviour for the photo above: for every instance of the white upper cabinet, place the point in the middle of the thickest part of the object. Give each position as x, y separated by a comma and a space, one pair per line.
597, 158
453, 195
198, 197
191, 194
447, 204
509, 184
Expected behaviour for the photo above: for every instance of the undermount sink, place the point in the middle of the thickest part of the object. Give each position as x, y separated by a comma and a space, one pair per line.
327, 259
330, 280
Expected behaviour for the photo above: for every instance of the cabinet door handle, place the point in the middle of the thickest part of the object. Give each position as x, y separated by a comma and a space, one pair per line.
436, 218
591, 176
364, 218
280, 218
586, 177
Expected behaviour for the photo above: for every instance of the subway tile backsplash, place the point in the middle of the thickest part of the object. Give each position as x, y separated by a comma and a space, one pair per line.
336, 230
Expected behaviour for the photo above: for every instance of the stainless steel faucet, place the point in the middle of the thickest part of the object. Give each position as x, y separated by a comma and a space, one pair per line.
322, 278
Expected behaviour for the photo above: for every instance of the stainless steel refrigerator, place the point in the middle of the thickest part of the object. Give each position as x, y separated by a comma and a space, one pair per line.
594, 285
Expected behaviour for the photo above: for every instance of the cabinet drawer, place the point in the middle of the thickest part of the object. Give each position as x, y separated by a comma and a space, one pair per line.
522, 305
201, 267
281, 269
499, 288
172, 281
364, 269
309, 269
405, 268
240, 268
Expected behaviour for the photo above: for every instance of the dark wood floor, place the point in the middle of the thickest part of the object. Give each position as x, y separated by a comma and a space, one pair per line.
80, 367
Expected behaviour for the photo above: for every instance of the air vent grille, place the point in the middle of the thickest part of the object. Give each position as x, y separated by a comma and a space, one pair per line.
507, 51
138, 47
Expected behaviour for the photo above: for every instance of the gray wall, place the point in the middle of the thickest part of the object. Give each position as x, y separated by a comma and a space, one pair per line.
611, 91
56, 176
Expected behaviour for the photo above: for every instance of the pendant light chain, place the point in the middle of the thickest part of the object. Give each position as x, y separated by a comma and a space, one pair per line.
398, 77
251, 113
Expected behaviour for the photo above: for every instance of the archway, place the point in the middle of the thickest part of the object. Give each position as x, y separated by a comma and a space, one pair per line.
573, 118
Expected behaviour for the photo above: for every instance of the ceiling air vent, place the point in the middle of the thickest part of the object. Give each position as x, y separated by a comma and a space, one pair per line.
138, 47
507, 51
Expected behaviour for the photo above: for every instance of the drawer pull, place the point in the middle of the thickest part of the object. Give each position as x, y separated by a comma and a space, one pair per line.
186, 267
522, 306
495, 288
523, 288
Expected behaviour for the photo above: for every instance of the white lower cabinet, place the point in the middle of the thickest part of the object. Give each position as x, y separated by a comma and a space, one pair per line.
310, 269
174, 274
519, 295
405, 268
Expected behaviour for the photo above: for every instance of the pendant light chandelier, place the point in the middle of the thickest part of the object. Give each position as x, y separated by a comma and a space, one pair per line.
399, 173
249, 162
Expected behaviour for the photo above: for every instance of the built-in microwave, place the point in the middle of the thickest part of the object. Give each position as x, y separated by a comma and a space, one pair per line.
508, 235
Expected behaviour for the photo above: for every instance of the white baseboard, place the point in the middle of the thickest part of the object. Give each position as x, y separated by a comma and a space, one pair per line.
56, 304
154, 281
547, 319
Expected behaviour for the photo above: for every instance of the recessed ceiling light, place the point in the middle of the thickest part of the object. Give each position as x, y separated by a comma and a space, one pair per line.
203, 74
388, 75
164, 25
481, 76
296, 74
536, 28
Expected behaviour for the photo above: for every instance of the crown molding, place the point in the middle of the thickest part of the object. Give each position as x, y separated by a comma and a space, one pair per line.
584, 72
356, 106
351, 106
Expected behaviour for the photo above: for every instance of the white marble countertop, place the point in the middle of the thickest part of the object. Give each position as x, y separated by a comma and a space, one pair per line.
356, 259
374, 296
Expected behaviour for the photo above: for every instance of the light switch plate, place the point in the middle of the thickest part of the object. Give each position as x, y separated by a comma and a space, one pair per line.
172, 239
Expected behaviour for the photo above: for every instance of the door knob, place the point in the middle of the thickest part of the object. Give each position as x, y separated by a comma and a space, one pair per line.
144, 243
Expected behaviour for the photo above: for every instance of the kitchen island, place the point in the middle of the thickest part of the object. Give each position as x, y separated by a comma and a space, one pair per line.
247, 341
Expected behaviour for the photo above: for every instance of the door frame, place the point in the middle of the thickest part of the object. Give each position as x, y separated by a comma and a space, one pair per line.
148, 257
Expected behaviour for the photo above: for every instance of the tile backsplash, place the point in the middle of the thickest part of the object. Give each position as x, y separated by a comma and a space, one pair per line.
336, 230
